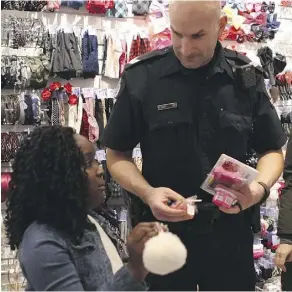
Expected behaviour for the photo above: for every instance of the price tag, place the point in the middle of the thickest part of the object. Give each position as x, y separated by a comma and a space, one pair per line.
110, 93
52, 29
275, 240
91, 31
103, 93
76, 90
100, 155
143, 34
88, 92
134, 153
67, 28
96, 92
138, 153
123, 215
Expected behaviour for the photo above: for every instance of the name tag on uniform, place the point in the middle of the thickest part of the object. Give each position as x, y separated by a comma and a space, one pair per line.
167, 106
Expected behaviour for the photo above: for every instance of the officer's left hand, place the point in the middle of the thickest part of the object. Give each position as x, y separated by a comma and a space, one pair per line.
246, 195
283, 255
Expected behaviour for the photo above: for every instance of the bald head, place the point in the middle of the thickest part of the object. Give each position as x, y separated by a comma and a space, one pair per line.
196, 26
191, 8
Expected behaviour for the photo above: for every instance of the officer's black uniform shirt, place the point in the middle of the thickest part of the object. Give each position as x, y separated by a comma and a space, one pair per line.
185, 119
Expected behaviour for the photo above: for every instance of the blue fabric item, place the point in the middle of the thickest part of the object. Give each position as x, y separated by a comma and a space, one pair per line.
90, 55
73, 4
50, 261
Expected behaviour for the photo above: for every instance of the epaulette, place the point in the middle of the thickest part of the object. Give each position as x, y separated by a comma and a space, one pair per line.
148, 56
239, 59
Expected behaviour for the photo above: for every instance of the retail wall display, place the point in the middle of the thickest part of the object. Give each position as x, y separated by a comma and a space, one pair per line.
87, 110
283, 104
64, 52
11, 275
110, 8
61, 62
250, 21
5, 179
286, 3
267, 241
10, 143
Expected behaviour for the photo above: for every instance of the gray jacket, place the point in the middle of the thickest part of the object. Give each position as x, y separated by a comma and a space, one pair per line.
50, 262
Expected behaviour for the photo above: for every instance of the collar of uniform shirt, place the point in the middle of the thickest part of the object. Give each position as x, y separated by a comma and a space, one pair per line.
217, 65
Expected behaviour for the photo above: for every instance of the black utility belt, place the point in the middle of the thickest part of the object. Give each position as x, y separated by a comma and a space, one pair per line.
202, 223
207, 212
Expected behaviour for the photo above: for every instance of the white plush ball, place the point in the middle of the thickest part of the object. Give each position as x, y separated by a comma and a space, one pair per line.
164, 254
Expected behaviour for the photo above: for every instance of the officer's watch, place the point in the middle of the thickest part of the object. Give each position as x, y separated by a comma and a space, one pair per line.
266, 194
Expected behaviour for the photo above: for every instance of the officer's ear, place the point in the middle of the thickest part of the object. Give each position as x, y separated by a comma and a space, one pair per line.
222, 24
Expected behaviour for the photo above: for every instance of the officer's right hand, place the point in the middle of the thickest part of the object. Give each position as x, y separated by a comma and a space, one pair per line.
158, 198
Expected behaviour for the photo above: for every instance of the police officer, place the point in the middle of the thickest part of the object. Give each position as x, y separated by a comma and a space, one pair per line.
187, 105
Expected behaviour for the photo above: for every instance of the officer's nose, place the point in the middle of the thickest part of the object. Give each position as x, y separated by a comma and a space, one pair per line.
186, 48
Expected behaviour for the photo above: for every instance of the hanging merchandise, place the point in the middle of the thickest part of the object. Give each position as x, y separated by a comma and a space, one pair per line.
19, 32
73, 4
265, 55
55, 98
114, 51
250, 21
120, 9
99, 114
75, 107
65, 51
123, 57
158, 23
24, 72
84, 131
66, 62
5, 179
139, 47
53, 5
88, 106
140, 7
10, 109
115, 54
115, 189
24, 5
286, 3
267, 241
279, 63
10, 142
161, 40
90, 54
22, 109
99, 6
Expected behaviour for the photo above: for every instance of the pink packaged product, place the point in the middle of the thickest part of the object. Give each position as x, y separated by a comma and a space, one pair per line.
227, 173
223, 197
